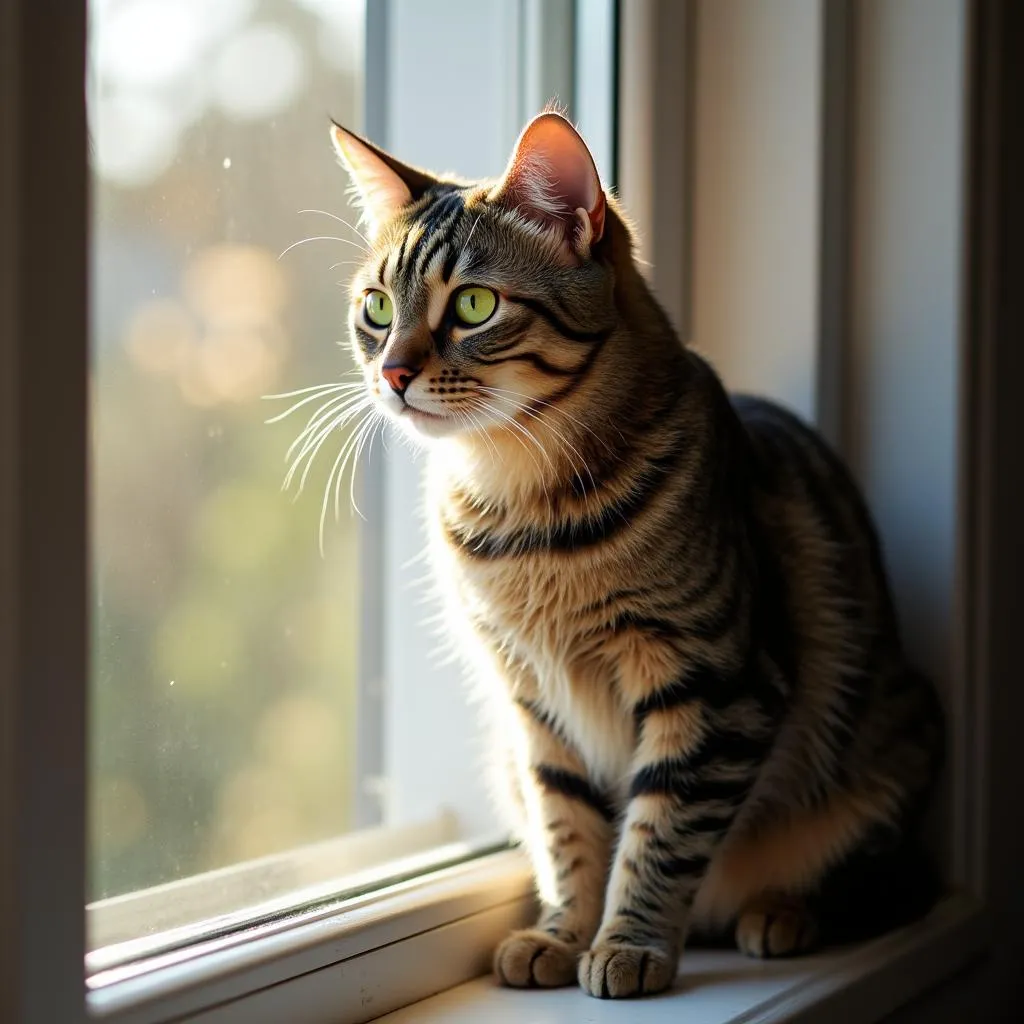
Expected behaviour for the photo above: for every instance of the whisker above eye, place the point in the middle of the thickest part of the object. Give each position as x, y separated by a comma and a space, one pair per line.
321, 238
340, 220
465, 244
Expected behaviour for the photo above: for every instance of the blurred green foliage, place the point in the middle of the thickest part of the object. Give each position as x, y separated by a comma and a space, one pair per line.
223, 646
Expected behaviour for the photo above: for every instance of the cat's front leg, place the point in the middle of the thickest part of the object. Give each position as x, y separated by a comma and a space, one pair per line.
568, 833
694, 764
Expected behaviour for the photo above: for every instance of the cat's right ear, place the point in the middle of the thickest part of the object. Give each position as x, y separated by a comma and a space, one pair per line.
382, 184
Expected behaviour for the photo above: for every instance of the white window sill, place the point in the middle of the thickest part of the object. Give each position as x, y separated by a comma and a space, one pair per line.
367, 958
857, 984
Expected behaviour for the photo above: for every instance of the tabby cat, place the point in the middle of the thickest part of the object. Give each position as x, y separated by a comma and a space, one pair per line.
674, 599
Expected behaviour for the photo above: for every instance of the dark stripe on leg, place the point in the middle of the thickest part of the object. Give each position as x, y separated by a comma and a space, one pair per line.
569, 784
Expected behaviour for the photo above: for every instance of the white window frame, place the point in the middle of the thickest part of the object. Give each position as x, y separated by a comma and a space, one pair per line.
395, 946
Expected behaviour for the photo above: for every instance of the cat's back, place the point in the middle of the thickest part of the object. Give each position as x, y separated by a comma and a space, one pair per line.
810, 512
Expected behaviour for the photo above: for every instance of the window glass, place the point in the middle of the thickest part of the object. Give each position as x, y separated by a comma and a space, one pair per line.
272, 724
224, 664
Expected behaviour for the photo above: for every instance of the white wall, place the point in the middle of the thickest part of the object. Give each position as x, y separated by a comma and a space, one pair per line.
757, 193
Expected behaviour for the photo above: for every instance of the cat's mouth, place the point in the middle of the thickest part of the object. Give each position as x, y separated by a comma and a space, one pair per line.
430, 424
418, 415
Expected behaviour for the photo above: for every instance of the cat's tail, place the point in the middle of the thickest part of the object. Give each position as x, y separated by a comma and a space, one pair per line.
890, 878
888, 882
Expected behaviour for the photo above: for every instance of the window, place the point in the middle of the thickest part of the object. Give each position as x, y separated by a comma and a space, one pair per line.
229, 723
829, 163
266, 706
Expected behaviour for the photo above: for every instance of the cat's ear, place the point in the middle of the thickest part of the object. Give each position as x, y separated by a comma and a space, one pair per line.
552, 179
383, 185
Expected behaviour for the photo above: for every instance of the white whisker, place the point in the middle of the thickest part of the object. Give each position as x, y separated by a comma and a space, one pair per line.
341, 220
352, 447
327, 495
506, 423
375, 420
325, 412
309, 390
312, 398
314, 444
320, 238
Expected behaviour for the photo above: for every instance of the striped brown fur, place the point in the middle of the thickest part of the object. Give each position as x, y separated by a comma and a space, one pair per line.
673, 599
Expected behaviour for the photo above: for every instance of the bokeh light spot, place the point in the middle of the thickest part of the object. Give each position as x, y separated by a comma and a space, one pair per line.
259, 73
160, 335
134, 138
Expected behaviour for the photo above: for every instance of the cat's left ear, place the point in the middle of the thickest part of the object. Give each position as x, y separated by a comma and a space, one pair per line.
552, 179
383, 184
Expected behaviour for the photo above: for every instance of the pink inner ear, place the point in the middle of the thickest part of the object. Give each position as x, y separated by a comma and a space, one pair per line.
552, 174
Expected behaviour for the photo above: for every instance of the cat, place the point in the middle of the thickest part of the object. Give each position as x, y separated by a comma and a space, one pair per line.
674, 599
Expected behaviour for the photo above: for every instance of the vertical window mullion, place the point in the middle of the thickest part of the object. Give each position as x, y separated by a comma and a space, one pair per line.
370, 769
654, 164
595, 84
833, 229
547, 55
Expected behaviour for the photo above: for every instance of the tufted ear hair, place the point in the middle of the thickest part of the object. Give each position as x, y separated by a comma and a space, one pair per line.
552, 180
382, 184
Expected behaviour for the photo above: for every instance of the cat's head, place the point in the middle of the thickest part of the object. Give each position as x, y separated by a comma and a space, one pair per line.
480, 303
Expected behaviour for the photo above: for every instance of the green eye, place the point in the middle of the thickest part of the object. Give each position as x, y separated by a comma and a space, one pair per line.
474, 305
378, 308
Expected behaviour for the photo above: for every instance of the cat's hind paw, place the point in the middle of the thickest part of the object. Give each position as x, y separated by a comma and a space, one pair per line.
615, 971
771, 927
534, 959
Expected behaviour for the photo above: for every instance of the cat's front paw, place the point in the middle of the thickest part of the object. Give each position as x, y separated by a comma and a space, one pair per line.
615, 971
534, 959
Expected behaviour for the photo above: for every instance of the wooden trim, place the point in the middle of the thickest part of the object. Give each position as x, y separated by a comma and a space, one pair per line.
43, 511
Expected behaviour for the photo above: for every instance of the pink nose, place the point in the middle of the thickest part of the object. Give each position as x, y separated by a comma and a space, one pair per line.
399, 377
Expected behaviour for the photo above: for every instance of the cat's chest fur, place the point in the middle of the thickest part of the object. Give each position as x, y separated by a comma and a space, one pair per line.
527, 608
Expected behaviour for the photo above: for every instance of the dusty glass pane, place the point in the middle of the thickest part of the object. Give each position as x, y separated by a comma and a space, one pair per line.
224, 646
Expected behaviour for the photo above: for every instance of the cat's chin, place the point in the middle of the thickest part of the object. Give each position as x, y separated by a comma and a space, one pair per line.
423, 425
